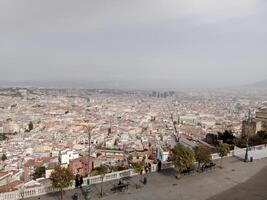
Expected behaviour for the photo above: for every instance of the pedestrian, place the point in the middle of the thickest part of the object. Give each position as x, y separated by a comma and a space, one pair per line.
77, 181
81, 181
146, 169
149, 167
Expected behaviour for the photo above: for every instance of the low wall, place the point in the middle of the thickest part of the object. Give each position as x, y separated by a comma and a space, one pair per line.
256, 152
38, 191
215, 156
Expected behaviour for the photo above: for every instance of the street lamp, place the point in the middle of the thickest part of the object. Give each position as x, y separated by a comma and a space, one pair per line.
246, 154
248, 132
87, 188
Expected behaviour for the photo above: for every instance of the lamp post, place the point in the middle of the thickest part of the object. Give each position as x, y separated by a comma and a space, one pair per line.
249, 129
246, 154
87, 188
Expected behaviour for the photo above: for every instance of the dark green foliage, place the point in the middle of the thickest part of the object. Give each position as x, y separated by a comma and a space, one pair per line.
39, 172
3, 158
226, 137
3, 137
212, 139
254, 140
262, 134
138, 166
102, 169
119, 168
30, 126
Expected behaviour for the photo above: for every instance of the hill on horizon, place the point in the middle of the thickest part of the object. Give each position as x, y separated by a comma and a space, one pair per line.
258, 84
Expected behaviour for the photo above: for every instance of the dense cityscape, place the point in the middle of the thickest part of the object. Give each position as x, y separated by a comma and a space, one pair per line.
43, 128
133, 100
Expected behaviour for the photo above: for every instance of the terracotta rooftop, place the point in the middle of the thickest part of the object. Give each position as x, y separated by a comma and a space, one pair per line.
11, 186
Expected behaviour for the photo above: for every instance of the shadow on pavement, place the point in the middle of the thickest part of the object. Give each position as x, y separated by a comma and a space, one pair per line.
168, 172
254, 188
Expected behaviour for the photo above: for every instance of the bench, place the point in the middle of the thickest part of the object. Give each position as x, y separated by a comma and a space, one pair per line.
120, 187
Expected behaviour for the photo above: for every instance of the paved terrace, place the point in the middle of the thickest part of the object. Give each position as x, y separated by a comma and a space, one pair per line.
236, 180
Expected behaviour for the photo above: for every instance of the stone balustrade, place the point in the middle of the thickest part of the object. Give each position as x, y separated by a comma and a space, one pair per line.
37, 191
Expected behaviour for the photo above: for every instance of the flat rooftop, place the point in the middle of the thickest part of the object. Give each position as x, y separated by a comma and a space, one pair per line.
235, 181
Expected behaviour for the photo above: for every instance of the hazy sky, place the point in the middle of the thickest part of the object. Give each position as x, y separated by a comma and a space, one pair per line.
201, 42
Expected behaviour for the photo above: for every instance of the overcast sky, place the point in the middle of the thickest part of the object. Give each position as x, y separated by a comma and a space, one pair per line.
205, 42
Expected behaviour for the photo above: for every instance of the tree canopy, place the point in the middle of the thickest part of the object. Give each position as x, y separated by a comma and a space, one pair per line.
30, 126
253, 140
138, 166
182, 157
102, 169
3, 157
227, 137
61, 178
39, 172
223, 150
212, 139
202, 154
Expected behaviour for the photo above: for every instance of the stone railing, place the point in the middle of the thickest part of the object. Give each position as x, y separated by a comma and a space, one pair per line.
215, 156
38, 191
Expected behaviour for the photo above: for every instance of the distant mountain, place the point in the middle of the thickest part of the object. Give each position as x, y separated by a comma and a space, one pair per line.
259, 84
109, 84
172, 84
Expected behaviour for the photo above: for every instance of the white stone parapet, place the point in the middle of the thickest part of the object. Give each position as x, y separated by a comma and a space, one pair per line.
38, 191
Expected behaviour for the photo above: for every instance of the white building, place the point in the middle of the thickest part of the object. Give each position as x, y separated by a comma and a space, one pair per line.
67, 155
162, 154
1, 129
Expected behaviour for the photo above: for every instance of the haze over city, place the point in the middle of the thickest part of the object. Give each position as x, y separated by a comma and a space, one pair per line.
135, 44
140, 99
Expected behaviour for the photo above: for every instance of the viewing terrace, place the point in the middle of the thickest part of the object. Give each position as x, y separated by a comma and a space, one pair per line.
236, 180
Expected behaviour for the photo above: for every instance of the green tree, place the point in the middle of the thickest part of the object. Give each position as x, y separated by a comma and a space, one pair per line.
227, 137
223, 150
263, 136
30, 126
3, 158
202, 154
61, 178
39, 172
182, 157
212, 139
138, 166
3, 137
